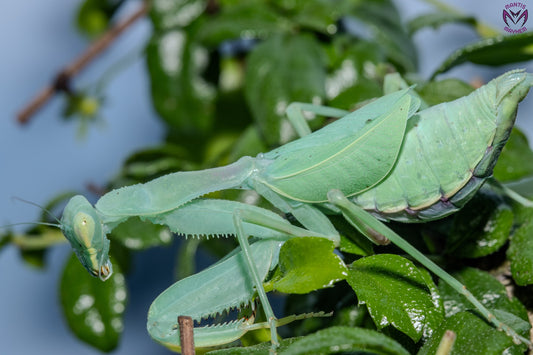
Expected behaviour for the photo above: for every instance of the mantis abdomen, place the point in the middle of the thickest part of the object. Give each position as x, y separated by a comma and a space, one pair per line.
447, 153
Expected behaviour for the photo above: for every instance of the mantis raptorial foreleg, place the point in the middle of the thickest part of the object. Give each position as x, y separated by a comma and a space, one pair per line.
213, 291
225, 217
197, 296
371, 227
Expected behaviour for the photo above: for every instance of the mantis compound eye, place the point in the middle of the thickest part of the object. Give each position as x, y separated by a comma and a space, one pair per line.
105, 271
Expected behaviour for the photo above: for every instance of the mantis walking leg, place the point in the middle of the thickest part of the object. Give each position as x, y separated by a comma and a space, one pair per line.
253, 217
241, 274
393, 82
371, 227
515, 196
243, 242
296, 118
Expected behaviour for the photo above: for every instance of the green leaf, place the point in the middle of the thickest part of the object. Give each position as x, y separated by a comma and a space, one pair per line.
361, 52
520, 252
396, 293
347, 245
38, 238
34, 258
121, 256
316, 15
353, 316
148, 164
93, 309
344, 340
339, 299
474, 336
516, 159
437, 19
167, 15
435, 296
248, 19
218, 146
249, 143
34, 243
179, 93
5, 239
136, 234
488, 290
352, 241
332, 340
436, 92
521, 326
353, 76
281, 70
308, 264
259, 349
363, 90
186, 260
384, 21
482, 227
494, 51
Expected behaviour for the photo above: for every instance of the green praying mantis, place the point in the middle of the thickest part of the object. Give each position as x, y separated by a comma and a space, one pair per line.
389, 160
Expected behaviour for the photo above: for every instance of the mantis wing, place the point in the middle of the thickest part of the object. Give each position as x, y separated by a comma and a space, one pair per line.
352, 154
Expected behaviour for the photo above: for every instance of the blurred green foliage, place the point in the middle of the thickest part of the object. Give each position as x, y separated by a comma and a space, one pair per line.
222, 73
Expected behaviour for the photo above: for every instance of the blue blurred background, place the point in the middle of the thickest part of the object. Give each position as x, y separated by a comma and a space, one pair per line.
45, 157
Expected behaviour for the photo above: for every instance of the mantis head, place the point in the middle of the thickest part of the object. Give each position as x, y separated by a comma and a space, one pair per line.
83, 228
514, 85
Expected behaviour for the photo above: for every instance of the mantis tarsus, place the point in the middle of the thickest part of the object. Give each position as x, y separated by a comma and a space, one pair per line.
388, 160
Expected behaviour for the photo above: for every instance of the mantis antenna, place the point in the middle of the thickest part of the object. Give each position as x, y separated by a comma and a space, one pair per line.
40, 207
32, 223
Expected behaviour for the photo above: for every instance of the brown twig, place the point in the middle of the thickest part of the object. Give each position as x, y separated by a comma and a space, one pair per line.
186, 335
62, 80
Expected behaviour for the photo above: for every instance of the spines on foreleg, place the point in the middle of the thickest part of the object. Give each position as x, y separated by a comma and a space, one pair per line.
221, 287
210, 217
